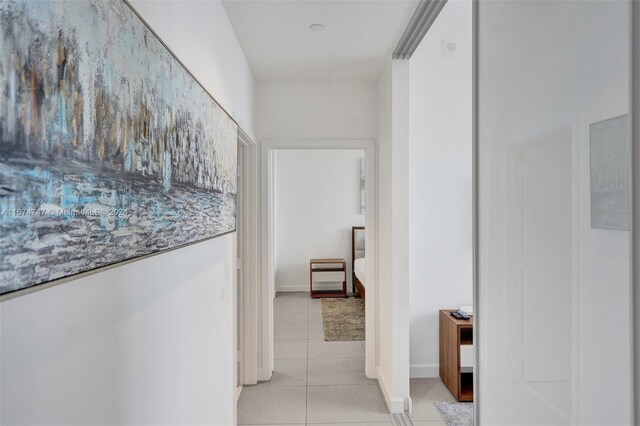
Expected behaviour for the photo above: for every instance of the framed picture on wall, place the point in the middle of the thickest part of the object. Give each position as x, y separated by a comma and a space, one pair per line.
109, 148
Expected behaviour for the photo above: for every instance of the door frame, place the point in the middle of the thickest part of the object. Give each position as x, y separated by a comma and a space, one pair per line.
248, 263
238, 293
268, 147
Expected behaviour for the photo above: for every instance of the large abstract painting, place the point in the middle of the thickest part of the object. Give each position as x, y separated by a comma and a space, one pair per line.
109, 148
610, 159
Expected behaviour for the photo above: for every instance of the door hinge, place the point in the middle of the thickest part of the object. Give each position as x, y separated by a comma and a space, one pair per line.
238, 263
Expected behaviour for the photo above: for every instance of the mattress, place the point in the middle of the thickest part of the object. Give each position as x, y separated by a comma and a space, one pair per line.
359, 268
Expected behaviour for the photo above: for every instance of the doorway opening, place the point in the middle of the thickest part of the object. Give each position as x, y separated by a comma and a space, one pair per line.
441, 219
319, 206
284, 278
311, 202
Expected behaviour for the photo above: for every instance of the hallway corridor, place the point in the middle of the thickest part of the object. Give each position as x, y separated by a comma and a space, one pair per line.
315, 382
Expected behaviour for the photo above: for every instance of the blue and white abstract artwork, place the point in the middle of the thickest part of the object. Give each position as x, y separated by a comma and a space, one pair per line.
109, 148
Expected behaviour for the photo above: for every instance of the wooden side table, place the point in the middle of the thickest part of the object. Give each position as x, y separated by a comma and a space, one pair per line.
455, 335
328, 270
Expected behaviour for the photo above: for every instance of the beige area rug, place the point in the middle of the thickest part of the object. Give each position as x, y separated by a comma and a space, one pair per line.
343, 319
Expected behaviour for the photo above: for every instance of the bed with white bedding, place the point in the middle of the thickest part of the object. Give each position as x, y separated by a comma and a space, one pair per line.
358, 260
360, 268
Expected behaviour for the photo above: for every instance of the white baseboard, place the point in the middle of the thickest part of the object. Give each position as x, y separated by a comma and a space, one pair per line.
395, 404
424, 371
291, 288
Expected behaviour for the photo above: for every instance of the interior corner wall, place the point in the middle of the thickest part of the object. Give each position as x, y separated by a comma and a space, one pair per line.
316, 202
440, 169
384, 271
393, 241
148, 342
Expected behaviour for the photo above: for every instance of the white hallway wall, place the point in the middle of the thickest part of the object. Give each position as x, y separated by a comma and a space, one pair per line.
317, 201
363, 110
295, 110
440, 179
148, 342
316, 110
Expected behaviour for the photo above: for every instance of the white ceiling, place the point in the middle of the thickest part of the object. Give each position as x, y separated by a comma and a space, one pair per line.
359, 36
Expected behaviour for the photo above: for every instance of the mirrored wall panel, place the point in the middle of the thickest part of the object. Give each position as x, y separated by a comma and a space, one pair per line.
553, 146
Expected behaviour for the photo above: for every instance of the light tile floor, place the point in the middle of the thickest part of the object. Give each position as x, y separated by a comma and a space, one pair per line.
318, 383
424, 392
